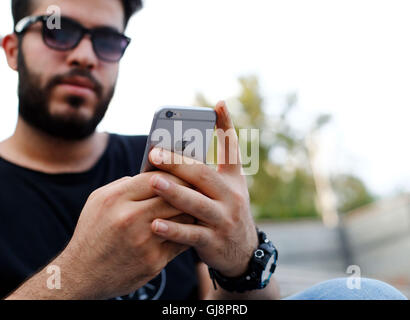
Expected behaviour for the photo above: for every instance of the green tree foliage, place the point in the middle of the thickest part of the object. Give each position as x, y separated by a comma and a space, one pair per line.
283, 188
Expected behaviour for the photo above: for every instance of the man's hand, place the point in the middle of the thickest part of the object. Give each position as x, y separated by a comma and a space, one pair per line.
113, 250
225, 235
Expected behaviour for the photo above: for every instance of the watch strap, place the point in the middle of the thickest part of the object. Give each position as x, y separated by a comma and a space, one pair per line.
251, 279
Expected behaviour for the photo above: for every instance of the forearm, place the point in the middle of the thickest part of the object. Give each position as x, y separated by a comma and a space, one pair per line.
271, 292
39, 286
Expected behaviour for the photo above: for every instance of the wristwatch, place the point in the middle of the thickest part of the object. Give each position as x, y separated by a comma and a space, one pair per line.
260, 269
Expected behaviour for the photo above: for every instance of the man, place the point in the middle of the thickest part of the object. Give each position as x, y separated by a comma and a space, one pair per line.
71, 197
72, 201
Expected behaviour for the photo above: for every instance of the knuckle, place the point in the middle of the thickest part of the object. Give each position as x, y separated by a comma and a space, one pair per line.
239, 205
207, 210
228, 226
203, 206
145, 176
197, 239
110, 198
126, 185
125, 219
204, 173
105, 196
173, 164
123, 179
235, 217
93, 194
175, 231
139, 245
126, 181
238, 199
194, 238
97, 194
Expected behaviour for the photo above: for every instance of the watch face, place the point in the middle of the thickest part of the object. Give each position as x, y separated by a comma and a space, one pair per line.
266, 274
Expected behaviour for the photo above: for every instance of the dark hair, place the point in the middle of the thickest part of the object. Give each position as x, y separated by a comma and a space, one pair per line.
22, 8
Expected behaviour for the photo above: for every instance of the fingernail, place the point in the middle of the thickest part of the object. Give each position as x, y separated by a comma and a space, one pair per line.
161, 227
161, 183
156, 156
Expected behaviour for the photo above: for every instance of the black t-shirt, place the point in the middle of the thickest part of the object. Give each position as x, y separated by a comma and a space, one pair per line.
39, 212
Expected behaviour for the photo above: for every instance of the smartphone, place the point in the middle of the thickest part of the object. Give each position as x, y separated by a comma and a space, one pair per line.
184, 130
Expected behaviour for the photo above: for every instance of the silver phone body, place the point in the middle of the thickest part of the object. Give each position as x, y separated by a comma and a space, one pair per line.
189, 128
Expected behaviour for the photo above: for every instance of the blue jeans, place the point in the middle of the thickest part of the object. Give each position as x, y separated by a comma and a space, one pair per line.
337, 289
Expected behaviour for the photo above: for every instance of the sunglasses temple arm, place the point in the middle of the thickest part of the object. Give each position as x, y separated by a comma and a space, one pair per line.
26, 22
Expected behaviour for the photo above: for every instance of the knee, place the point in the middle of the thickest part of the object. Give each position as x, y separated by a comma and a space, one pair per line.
359, 289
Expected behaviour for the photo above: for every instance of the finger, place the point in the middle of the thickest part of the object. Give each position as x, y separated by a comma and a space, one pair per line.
152, 209
223, 119
116, 185
228, 155
187, 200
187, 234
184, 218
155, 208
137, 188
119, 181
196, 173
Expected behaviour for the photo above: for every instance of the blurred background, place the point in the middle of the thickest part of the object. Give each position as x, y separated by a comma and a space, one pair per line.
327, 83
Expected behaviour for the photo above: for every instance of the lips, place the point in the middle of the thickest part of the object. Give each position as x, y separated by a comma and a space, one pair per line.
81, 82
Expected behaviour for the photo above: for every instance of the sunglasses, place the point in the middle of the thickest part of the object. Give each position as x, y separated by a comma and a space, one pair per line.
109, 45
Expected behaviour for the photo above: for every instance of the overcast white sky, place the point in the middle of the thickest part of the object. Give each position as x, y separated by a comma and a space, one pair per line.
349, 58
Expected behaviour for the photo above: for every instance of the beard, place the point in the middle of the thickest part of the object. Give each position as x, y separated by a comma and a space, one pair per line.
34, 104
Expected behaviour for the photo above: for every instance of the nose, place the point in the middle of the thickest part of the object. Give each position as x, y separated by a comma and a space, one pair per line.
83, 56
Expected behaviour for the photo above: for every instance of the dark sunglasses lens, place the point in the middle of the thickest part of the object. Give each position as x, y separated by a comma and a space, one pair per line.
110, 46
64, 38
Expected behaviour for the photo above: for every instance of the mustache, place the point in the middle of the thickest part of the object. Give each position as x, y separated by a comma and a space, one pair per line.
58, 79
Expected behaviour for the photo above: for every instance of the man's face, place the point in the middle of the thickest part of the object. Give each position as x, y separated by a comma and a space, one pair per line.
52, 94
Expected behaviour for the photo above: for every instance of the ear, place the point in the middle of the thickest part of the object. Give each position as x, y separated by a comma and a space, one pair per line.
10, 46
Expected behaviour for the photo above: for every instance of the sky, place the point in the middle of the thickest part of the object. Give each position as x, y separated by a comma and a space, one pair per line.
349, 59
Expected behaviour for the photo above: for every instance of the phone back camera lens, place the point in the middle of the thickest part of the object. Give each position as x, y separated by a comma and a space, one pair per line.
169, 114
